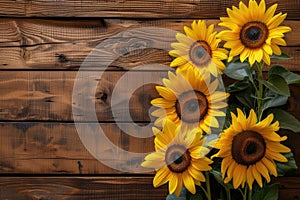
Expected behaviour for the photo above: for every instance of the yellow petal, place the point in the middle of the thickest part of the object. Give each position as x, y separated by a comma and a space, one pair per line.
271, 166
260, 167
189, 182
162, 176
257, 176
173, 183
166, 93
250, 178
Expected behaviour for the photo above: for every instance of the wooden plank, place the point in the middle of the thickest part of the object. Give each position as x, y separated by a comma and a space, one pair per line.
71, 57
56, 148
61, 188
47, 95
75, 188
132, 8
61, 44
29, 32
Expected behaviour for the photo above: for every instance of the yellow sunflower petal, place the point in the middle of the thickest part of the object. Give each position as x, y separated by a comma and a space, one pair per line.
162, 176
271, 166
189, 182
260, 167
257, 176
173, 183
250, 178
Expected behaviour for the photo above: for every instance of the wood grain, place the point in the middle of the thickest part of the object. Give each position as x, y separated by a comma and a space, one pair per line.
47, 95
107, 188
56, 148
75, 188
132, 8
58, 44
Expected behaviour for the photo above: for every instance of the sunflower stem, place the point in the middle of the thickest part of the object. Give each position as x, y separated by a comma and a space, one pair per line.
249, 194
260, 91
208, 186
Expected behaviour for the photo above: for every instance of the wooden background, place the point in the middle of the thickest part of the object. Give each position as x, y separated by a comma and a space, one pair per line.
42, 45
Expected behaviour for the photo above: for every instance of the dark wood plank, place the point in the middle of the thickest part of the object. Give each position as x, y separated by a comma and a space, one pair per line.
47, 95
56, 148
131, 9
75, 188
61, 44
62, 188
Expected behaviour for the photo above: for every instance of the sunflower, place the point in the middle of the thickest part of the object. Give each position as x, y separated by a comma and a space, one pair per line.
254, 32
198, 48
191, 99
179, 158
250, 149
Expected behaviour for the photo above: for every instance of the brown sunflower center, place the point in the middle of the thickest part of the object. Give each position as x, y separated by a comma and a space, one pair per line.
200, 53
178, 158
191, 106
248, 147
254, 34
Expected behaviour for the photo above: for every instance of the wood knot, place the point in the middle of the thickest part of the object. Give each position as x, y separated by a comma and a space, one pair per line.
61, 58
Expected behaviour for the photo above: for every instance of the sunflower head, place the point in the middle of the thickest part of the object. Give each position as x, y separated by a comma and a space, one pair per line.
249, 149
179, 158
254, 32
198, 48
192, 99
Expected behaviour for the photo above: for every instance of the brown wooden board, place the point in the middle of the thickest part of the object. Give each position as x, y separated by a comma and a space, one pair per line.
131, 9
106, 188
47, 95
75, 188
60, 44
57, 148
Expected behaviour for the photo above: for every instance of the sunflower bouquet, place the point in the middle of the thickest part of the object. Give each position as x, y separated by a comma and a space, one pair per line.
223, 142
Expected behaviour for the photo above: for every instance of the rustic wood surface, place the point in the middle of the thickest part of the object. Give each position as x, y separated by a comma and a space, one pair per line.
131, 9
75, 188
56, 148
65, 44
43, 43
107, 188
47, 95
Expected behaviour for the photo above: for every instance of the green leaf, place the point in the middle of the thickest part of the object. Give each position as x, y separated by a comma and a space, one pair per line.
196, 197
274, 100
286, 120
283, 168
238, 86
219, 179
268, 192
277, 84
283, 56
237, 70
288, 76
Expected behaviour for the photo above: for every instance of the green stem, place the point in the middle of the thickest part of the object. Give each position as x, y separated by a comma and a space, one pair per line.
208, 186
249, 194
245, 194
228, 194
260, 90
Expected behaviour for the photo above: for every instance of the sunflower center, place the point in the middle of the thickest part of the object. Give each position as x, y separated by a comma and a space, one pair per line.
248, 147
254, 34
191, 106
178, 158
200, 53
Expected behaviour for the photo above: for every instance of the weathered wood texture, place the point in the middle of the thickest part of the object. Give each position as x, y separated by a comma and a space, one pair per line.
56, 148
47, 95
55, 45
107, 188
63, 188
131, 9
